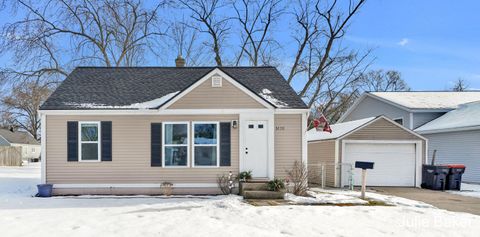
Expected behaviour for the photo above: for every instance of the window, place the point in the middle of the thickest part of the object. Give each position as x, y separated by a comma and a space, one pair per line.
399, 121
33, 149
206, 144
175, 144
89, 149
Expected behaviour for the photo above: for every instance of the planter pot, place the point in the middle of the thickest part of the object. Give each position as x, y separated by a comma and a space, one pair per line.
44, 190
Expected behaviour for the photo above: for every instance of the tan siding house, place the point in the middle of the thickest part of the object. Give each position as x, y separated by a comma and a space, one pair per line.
214, 125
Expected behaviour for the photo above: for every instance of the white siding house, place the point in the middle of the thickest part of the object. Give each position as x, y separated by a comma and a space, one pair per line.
31, 148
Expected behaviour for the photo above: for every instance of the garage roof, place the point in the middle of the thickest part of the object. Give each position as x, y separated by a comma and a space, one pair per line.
338, 130
466, 117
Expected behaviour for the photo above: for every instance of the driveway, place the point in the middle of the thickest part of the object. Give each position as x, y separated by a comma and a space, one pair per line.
443, 200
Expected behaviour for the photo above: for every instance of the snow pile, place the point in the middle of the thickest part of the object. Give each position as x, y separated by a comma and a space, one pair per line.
338, 130
429, 99
324, 198
23, 215
389, 200
470, 190
467, 115
144, 105
267, 95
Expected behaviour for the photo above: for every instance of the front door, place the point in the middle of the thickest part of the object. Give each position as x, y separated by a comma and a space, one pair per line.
256, 148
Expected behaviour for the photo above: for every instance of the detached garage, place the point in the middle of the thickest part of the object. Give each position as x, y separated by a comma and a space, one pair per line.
398, 153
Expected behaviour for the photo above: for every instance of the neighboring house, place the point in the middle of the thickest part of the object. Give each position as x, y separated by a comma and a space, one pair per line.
398, 153
456, 138
412, 109
125, 130
30, 147
450, 127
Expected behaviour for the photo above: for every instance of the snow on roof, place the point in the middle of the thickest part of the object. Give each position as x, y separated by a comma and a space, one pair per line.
338, 130
467, 115
268, 95
144, 105
429, 99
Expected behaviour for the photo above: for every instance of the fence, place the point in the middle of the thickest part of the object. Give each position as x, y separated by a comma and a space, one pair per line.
324, 174
10, 156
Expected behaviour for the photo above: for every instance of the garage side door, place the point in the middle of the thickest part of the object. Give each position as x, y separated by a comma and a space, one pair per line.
394, 163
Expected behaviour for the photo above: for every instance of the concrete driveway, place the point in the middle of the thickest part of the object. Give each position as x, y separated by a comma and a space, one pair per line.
443, 200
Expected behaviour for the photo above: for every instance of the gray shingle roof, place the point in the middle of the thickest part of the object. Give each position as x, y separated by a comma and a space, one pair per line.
121, 86
20, 137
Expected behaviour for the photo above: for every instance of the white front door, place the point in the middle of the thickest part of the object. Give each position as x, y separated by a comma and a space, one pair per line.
255, 152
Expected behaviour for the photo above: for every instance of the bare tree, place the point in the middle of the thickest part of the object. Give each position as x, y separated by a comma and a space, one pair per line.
460, 85
55, 35
206, 12
186, 41
256, 19
380, 80
327, 72
20, 108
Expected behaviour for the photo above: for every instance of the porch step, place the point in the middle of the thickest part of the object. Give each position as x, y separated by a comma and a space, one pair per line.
257, 194
253, 186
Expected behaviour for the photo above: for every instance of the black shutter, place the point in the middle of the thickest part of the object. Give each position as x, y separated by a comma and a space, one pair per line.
72, 141
106, 132
156, 144
225, 149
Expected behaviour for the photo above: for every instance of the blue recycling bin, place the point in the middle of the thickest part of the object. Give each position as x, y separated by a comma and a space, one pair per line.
44, 190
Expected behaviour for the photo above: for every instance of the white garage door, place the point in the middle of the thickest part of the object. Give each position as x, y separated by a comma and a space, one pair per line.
394, 163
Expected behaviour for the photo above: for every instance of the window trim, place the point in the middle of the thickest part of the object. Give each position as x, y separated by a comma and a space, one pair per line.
403, 120
217, 123
98, 142
174, 145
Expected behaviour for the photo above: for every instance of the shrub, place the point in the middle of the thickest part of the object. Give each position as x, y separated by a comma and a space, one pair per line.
275, 185
298, 177
226, 183
167, 188
245, 175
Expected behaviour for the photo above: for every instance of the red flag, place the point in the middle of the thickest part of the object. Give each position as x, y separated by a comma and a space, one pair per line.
322, 120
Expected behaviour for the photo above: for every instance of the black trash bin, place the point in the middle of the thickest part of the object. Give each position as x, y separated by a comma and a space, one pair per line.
454, 178
434, 176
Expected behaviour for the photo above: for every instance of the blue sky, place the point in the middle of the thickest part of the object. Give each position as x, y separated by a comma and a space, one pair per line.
432, 43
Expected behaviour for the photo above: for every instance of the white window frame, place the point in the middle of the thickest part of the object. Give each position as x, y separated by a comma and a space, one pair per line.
98, 142
403, 120
217, 123
174, 145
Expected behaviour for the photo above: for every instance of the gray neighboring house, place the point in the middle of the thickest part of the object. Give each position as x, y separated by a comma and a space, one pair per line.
456, 137
30, 147
411, 109
449, 120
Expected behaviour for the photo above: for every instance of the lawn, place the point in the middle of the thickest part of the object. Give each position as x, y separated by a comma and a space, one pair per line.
24, 215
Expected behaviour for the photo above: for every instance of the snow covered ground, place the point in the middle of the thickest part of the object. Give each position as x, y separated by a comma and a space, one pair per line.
471, 190
23, 215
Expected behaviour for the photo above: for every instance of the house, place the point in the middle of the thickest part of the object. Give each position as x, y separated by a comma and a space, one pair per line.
456, 138
397, 152
29, 146
439, 116
125, 130
411, 109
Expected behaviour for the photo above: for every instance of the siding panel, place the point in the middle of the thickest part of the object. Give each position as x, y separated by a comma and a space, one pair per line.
207, 97
322, 153
457, 147
131, 152
288, 142
370, 107
420, 119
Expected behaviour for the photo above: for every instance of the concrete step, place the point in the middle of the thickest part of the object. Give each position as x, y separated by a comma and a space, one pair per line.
262, 194
253, 186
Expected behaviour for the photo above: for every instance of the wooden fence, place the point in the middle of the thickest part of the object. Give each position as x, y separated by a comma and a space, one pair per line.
10, 156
